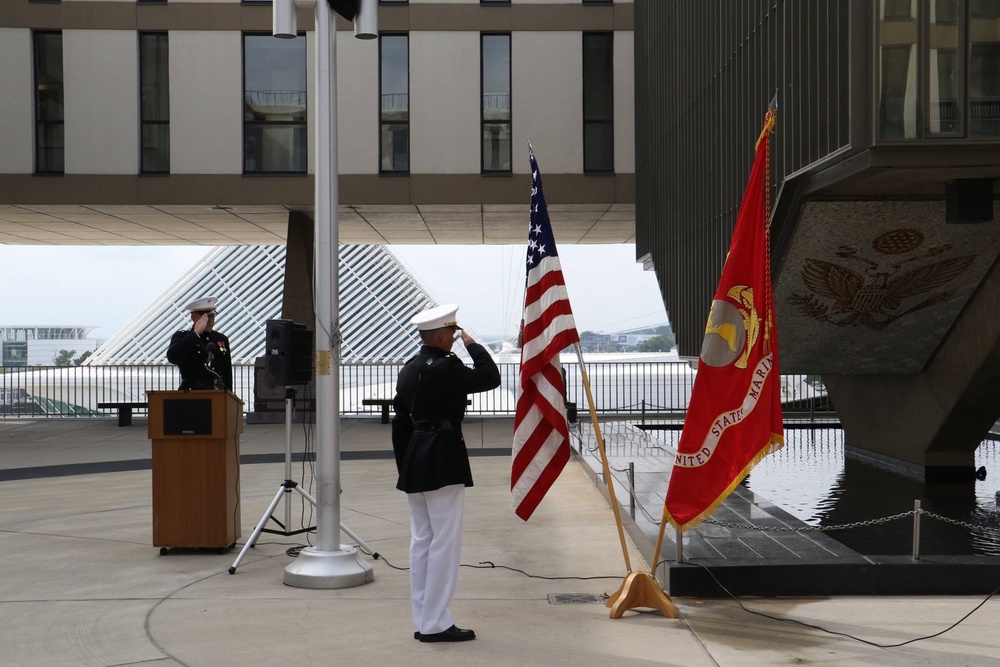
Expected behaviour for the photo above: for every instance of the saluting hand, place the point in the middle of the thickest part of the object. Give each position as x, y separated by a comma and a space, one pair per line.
201, 324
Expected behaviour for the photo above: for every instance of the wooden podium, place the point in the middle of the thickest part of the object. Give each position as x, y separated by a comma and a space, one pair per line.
196, 463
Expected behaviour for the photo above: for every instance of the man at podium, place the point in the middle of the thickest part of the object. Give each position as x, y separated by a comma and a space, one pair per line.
202, 354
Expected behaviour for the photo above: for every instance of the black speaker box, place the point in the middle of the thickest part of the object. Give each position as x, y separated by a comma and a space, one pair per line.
969, 200
289, 353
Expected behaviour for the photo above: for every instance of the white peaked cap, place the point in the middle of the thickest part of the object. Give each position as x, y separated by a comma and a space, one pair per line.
435, 318
204, 303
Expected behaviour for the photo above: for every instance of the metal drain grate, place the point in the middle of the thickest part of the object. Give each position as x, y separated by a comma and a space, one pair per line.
575, 598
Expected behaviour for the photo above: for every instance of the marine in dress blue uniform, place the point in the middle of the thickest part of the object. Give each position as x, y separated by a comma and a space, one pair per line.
200, 350
433, 463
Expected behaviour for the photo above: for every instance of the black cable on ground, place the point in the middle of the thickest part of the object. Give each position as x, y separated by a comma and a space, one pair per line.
834, 632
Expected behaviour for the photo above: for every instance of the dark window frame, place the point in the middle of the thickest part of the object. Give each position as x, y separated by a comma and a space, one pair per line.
47, 123
964, 126
145, 122
483, 122
591, 122
304, 123
383, 121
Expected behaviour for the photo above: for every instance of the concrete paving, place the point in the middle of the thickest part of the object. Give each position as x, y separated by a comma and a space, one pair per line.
83, 585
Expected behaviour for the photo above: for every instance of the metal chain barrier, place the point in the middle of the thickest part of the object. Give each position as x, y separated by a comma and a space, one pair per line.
807, 529
641, 496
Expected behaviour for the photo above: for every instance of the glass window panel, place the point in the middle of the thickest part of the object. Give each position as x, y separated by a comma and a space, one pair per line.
496, 77
49, 149
898, 88
394, 105
274, 93
154, 77
944, 68
395, 77
984, 68
49, 134
599, 142
155, 148
496, 146
395, 142
274, 148
598, 77
154, 103
496, 104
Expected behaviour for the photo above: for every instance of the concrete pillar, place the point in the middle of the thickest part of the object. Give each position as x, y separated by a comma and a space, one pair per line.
297, 301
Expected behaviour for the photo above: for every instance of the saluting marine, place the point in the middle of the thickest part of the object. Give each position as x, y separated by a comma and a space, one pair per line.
433, 463
201, 353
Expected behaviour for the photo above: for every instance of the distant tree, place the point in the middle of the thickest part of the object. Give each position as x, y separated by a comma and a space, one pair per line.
65, 358
83, 357
657, 344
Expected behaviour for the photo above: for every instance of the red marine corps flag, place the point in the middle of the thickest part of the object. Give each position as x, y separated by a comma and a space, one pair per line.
734, 416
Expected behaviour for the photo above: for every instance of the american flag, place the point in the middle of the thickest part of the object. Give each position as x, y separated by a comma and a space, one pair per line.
541, 436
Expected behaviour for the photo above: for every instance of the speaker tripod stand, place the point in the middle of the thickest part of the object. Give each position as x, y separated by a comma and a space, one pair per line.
285, 490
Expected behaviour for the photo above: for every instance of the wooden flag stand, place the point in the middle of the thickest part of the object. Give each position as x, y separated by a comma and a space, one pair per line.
640, 589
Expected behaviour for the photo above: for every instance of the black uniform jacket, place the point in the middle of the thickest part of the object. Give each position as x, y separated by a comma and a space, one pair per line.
190, 352
431, 391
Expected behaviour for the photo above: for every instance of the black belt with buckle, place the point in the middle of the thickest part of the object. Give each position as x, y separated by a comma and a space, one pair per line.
425, 425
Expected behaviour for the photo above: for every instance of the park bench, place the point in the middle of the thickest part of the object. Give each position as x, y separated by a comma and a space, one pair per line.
124, 410
385, 403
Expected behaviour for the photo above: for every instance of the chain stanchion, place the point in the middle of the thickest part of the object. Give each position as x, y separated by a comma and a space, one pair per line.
916, 529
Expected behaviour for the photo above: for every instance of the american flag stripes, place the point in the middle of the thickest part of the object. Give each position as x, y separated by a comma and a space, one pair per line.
541, 435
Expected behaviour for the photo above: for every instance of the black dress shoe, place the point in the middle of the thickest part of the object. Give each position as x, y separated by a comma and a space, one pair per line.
452, 634
416, 635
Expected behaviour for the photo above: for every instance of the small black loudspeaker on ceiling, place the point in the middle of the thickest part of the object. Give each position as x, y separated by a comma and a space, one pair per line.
969, 200
288, 350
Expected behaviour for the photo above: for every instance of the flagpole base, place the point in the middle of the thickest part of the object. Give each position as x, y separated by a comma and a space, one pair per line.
640, 589
328, 569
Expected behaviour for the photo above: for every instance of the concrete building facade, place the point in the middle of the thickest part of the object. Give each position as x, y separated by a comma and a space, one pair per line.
884, 224
169, 122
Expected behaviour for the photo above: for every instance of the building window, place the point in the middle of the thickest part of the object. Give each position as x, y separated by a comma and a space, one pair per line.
154, 103
274, 104
598, 102
394, 111
984, 68
894, 10
496, 117
939, 69
15, 354
49, 139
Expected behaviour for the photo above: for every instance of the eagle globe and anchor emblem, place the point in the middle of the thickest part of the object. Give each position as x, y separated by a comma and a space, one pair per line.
874, 301
736, 327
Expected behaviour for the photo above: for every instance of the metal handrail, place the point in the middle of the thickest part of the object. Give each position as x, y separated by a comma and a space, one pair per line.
646, 389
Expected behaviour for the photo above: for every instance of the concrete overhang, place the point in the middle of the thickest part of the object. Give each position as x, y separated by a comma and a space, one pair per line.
248, 224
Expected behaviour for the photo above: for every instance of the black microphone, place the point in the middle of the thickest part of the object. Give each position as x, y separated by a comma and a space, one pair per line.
210, 351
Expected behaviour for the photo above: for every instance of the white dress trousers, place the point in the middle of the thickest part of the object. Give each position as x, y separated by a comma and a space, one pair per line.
435, 553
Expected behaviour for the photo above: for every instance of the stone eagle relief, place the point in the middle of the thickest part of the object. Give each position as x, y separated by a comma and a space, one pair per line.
873, 297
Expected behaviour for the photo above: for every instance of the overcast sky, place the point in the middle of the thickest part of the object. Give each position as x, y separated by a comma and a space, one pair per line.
106, 287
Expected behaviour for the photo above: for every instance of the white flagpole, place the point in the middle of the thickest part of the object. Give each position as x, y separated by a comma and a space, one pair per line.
329, 564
